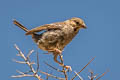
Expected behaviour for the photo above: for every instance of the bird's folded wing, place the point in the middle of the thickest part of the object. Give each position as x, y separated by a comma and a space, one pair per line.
40, 28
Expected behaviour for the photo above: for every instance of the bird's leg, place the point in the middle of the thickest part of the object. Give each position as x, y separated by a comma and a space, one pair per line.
56, 53
55, 59
64, 66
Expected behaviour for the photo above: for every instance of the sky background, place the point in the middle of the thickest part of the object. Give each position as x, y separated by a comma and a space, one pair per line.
100, 39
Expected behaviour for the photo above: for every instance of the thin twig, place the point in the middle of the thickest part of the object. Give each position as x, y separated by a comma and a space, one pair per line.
19, 72
28, 62
22, 62
102, 75
84, 67
50, 75
24, 75
91, 75
23, 72
37, 63
31, 51
78, 75
27, 72
53, 67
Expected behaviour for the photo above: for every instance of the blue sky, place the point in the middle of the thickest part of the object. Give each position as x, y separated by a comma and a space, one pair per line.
100, 39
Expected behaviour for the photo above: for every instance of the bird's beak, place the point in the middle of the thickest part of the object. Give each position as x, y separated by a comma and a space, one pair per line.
84, 26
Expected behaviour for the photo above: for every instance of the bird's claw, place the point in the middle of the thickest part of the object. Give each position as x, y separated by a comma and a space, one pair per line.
68, 67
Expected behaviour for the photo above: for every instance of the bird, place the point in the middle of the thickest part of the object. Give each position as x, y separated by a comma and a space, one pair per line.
55, 36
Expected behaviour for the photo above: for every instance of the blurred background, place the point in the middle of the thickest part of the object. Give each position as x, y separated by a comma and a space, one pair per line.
100, 39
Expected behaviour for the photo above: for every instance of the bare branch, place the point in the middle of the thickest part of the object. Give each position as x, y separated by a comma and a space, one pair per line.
30, 53
28, 62
34, 73
102, 75
37, 63
22, 62
91, 78
78, 75
24, 75
19, 72
84, 67
20, 52
50, 75
53, 67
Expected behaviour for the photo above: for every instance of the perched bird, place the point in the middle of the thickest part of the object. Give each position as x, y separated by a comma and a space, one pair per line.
54, 37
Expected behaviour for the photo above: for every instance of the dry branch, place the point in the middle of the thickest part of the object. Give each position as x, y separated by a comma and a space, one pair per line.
102, 75
78, 75
28, 62
34, 72
83, 68
53, 67
50, 75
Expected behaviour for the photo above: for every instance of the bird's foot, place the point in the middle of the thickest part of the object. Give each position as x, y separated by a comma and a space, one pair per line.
66, 67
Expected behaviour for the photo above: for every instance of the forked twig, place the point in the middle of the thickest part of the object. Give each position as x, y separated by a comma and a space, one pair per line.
92, 77
34, 72
78, 75
28, 62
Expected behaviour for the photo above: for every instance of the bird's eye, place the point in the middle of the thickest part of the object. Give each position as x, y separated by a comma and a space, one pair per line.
77, 23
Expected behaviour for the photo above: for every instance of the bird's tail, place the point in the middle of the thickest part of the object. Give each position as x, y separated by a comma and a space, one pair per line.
20, 25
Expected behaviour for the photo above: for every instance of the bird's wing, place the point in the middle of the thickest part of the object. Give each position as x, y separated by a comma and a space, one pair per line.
41, 28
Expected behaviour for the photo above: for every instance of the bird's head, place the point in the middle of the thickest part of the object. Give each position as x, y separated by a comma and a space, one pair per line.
77, 23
